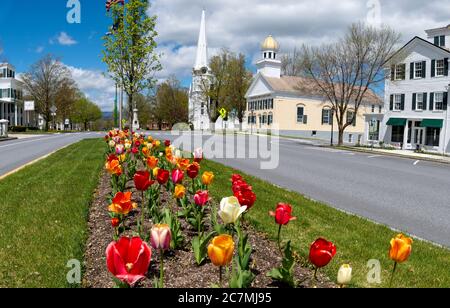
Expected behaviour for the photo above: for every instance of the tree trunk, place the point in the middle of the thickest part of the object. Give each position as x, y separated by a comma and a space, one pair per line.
130, 111
341, 137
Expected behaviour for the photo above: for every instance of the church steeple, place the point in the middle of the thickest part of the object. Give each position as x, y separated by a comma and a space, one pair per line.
202, 48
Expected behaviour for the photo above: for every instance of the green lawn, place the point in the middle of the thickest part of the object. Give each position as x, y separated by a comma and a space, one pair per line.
357, 240
43, 216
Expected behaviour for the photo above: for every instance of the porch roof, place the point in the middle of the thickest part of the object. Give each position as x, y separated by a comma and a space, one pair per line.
432, 123
396, 122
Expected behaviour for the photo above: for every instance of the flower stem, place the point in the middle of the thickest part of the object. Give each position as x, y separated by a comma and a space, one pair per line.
161, 270
392, 276
142, 214
220, 277
279, 241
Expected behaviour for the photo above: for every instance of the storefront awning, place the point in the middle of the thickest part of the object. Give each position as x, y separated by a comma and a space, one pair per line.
396, 122
432, 123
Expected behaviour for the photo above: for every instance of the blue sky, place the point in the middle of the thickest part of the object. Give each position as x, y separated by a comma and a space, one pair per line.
29, 29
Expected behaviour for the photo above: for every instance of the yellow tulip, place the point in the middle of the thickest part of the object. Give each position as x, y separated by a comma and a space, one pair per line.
401, 247
221, 250
207, 178
155, 172
180, 192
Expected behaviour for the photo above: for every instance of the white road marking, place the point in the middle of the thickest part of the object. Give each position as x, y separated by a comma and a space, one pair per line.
374, 156
416, 162
28, 141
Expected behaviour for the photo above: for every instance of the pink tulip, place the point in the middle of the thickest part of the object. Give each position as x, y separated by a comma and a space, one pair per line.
161, 237
201, 198
177, 176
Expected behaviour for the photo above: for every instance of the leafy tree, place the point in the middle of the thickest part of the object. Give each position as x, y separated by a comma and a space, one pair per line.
130, 49
44, 81
86, 112
172, 102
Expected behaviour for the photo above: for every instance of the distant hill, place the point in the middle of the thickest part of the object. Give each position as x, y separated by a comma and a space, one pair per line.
108, 115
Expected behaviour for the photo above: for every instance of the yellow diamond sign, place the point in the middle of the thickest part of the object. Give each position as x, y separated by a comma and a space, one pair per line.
223, 113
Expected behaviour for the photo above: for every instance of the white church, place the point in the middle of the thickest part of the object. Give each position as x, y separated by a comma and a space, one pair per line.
202, 78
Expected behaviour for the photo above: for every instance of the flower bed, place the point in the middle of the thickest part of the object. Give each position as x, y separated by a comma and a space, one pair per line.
153, 225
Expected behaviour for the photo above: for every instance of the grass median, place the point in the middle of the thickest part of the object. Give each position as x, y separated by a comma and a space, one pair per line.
357, 239
43, 216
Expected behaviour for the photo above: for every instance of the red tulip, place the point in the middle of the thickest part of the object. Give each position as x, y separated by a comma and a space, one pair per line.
137, 144
240, 186
193, 170
235, 178
322, 252
283, 214
115, 222
163, 176
246, 198
128, 259
135, 150
167, 143
112, 158
177, 176
142, 180
201, 198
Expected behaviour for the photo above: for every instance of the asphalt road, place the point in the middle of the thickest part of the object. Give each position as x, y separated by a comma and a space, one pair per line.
408, 195
16, 153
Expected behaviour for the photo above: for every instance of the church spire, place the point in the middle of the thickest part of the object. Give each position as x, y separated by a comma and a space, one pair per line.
202, 49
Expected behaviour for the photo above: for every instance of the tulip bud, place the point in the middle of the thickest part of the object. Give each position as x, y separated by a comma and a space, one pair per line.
231, 210
115, 222
112, 144
207, 178
161, 235
180, 192
221, 250
344, 276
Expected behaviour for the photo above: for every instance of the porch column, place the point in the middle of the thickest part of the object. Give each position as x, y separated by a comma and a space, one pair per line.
405, 136
15, 114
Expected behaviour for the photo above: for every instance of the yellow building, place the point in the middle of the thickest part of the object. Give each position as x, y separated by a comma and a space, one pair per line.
292, 105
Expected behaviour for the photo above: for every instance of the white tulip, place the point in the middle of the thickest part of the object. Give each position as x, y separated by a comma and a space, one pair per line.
344, 275
231, 210
112, 144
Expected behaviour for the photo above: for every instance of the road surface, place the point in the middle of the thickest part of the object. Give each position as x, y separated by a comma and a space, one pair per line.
408, 195
16, 153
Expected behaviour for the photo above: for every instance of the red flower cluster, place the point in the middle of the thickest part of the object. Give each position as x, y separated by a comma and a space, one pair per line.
243, 191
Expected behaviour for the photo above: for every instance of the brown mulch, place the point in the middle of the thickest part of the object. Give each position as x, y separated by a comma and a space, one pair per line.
181, 270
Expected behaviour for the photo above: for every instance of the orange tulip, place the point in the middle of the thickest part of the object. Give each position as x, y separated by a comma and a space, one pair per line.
114, 167
221, 250
122, 204
145, 151
183, 164
152, 162
180, 192
207, 178
401, 247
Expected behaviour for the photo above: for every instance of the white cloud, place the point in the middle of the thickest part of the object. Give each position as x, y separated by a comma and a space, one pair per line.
65, 39
242, 25
39, 49
97, 87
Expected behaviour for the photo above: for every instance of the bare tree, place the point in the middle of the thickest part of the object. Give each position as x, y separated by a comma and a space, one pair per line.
346, 71
290, 65
43, 82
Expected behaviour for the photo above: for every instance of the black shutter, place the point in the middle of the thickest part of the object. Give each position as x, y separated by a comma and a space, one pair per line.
445, 100
414, 101
323, 116
424, 69
305, 119
431, 101
403, 102
425, 101
446, 67
354, 121
392, 72
436, 40
411, 71
391, 106
433, 68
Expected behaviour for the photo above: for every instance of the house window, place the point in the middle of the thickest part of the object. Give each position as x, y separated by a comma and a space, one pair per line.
327, 116
439, 101
433, 136
374, 130
439, 41
440, 68
373, 108
300, 114
397, 102
351, 119
270, 119
350, 138
400, 72
418, 67
419, 102
397, 134
380, 109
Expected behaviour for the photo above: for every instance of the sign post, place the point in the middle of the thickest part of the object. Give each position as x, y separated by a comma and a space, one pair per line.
53, 111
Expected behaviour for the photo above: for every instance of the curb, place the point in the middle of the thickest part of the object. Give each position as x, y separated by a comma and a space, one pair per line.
8, 139
445, 162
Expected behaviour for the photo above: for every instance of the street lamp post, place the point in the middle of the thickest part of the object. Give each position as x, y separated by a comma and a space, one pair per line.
332, 126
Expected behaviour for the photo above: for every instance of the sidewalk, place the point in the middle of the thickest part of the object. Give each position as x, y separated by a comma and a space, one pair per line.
402, 153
